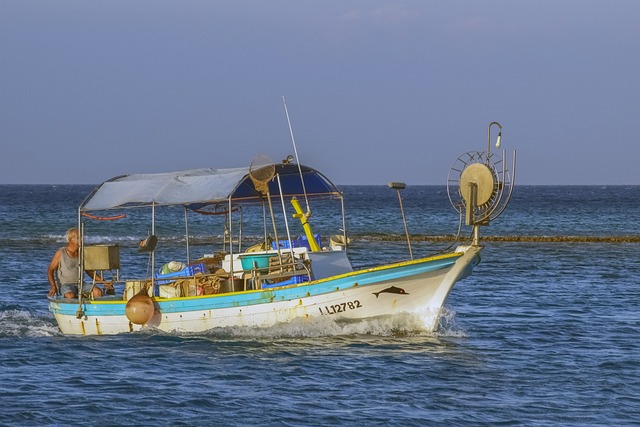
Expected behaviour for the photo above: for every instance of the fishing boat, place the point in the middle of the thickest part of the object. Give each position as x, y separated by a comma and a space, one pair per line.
284, 276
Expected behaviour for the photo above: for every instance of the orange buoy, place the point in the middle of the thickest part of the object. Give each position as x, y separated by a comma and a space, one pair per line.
140, 309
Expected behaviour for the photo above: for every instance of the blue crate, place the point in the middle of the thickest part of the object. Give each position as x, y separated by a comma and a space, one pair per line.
190, 270
300, 242
293, 281
196, 268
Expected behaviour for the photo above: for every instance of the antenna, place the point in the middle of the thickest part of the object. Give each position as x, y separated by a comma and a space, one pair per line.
295, 151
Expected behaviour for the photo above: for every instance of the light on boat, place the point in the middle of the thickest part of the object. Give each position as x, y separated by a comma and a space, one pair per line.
489, 138
139, 309
288, 160
397, 185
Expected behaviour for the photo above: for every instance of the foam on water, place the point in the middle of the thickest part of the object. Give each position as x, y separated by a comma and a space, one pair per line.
21, 323
17, 322
400, 325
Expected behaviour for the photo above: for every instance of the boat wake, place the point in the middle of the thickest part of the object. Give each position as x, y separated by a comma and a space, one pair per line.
399, 325
23, 323
17, 322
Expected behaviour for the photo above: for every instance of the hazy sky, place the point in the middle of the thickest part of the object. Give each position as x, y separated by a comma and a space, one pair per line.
377, 91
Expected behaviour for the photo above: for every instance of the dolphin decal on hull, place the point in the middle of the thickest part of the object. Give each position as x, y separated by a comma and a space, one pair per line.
391, 290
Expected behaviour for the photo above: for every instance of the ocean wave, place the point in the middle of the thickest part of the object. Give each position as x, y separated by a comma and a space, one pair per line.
132, 241
506, 238
16, 322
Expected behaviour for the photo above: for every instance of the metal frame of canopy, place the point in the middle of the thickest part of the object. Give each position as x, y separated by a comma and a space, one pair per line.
234, 187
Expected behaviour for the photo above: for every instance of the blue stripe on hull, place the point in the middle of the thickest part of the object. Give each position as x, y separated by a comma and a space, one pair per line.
212, 302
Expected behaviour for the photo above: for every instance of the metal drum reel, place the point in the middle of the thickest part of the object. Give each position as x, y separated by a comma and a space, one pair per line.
480, 185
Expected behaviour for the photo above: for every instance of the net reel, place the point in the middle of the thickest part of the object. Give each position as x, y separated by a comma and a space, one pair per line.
480, 185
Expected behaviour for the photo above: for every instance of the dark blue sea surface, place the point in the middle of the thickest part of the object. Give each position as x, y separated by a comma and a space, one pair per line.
543, 333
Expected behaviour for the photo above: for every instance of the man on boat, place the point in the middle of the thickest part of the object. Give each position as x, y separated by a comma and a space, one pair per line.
65, 266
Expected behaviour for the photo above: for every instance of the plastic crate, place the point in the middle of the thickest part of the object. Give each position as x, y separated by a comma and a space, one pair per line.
190, 270
300, 242
196, 268
294, 280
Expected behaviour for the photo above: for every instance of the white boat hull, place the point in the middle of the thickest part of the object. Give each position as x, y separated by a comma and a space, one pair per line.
420, 287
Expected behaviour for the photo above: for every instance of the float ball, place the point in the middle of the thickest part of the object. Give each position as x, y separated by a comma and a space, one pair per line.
139, 309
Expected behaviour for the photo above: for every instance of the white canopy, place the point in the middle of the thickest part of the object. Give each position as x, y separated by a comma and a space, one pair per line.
172, 188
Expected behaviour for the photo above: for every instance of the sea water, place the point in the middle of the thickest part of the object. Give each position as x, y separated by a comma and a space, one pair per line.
545, 332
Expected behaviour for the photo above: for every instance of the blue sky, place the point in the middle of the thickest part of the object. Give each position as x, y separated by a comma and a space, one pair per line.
377, 91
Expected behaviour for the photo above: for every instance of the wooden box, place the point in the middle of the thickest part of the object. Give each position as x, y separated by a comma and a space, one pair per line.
133, 287
101, 257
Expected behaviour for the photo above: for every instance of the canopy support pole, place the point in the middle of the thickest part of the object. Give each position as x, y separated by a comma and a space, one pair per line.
231, 273
80, 312
286, 224
153, 253
186, 232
